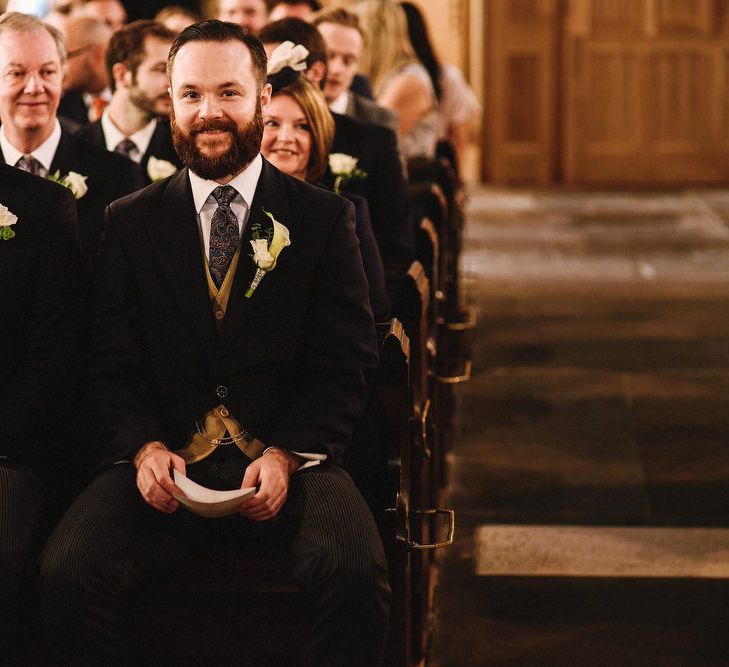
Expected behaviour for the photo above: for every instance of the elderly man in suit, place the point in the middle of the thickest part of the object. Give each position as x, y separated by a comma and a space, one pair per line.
41, 319
374, 146
236, 368
136, 121
31, 137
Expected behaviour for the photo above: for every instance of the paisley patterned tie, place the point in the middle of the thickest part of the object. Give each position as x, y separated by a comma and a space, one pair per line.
224, 234
30, 164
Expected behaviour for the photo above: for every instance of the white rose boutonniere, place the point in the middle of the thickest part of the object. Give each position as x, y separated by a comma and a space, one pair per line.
7, 219
268, 239
75, 182
159, 169
344, 168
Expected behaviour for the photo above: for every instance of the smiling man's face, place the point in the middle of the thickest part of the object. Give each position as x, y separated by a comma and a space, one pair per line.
217, 124
30, 85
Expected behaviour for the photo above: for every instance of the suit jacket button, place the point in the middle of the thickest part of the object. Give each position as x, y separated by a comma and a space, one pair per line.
219, 314
221, 391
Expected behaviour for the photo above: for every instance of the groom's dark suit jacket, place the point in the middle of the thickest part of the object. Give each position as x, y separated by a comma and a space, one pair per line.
41, 318
289, 363
160, 145
110, 176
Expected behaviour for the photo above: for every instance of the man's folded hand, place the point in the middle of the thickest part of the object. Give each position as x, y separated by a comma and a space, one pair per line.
154, 464
270, 472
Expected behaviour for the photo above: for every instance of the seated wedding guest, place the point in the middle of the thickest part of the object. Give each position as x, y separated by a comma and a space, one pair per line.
84, 74
457, 103
41, 321
298, 131
249, 14
345, 42
400, 81
381, 181
135, 122
31, 138
190, 327
300, 9
176, 18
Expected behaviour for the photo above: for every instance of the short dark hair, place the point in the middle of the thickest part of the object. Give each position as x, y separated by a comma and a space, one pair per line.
298, 32
221, 31
126, 45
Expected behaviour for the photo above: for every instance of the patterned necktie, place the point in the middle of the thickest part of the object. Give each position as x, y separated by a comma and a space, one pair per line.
224, 234
126, 147
30, 164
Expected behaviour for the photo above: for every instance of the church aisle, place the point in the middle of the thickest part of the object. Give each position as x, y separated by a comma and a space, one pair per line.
598, 412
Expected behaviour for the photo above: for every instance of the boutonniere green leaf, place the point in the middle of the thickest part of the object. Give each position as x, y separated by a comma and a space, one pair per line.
7, 220
268, 238
74, 181
158, 170
344, 168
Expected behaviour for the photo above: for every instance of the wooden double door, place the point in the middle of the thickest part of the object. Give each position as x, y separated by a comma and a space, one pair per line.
607, 91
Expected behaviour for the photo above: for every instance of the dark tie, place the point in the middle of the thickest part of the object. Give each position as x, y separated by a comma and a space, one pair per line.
224, 234
126, 147
30, 164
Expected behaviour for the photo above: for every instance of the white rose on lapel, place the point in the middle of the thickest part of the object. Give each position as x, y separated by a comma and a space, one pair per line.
344, 168
74, 181
159, 169
268, 239
6, 220
261, 256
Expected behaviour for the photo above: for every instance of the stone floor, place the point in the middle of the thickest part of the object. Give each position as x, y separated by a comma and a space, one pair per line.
600, 397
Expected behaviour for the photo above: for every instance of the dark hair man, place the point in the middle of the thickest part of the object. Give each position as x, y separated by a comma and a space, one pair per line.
190, 329
135, 122
300, 9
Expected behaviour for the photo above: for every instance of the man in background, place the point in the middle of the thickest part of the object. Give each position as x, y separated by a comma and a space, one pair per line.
345, 41
136, 121
250, 14
85, 74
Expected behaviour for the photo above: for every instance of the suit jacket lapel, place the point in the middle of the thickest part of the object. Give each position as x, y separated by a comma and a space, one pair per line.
175, 236
270, 196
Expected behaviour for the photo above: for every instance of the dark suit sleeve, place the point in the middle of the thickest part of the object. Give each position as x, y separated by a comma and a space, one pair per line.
338, 349
121, 402
372, 262
389, 203
50, 371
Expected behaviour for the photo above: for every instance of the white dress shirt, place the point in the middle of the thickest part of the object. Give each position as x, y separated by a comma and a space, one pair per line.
114, 136
44, 153
244, 183
340, 104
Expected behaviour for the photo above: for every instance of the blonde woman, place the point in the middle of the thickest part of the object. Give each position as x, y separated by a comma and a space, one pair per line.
399, 80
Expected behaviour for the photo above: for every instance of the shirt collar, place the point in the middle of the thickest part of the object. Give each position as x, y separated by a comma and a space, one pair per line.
44, 153
340, 104
245, 183
112, 134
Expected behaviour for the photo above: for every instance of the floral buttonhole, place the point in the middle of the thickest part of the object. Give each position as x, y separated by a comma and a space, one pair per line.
7, 220
268, 238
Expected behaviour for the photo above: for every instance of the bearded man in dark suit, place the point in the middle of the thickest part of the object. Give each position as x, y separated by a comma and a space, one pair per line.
31, 137
40, 329
136, 121
235, 370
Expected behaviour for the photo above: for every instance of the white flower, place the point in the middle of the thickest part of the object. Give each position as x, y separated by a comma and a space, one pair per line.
76, 183
159, 169
288, 54
342, 164
6, 220
6, 217
261, 256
